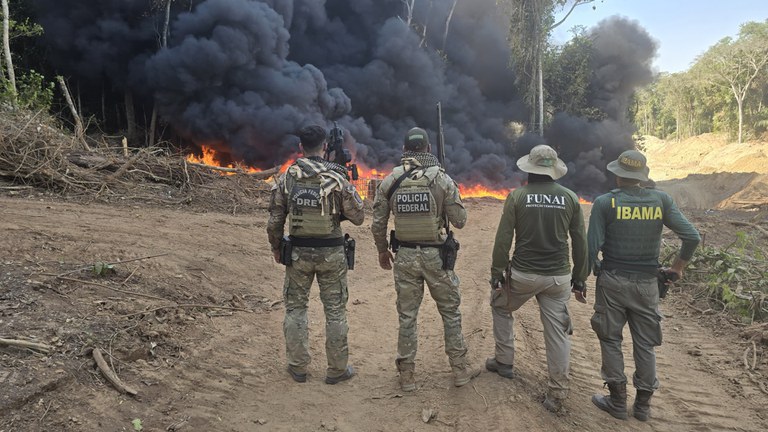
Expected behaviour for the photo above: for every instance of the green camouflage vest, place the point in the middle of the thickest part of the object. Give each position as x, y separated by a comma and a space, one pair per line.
415, 209
633, 232
307, 216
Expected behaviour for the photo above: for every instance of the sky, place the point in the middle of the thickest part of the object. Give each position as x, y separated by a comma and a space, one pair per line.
684, 29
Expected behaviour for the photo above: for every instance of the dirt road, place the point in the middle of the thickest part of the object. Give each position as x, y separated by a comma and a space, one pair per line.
224, 371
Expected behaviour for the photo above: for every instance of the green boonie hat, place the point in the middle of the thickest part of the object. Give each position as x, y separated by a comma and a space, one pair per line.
416, 137
543, 160
631, 164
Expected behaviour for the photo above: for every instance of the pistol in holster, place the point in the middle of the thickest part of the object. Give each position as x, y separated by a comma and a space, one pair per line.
449, 252
597, 269
664, 278
349, 251
394, 243
286, 251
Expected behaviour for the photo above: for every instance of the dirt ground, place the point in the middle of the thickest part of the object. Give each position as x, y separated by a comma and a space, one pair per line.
212, 369
191, 318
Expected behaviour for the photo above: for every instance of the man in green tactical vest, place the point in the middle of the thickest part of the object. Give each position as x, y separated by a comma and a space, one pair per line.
625, 225
314, 195
419, 193
540, 217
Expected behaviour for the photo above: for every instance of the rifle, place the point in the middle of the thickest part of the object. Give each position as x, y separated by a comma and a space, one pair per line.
341, 155
450, 249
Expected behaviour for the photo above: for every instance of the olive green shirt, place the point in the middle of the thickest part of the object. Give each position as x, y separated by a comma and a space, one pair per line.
539, 217
626, 225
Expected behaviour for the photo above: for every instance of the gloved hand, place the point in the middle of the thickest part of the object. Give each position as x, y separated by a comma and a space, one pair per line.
579, 288
497, 282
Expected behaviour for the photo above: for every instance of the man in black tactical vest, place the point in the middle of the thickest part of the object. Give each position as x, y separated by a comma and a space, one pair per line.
625, 225
540, 217
314, 195
419, 193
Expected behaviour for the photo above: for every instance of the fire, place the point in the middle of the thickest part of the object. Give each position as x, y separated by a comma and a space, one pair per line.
480, 191
212, 158
366, 184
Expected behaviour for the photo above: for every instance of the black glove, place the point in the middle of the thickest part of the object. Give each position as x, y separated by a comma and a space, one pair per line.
580, 289
496, 283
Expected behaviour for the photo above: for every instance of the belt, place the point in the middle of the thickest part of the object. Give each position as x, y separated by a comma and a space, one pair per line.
419, 245
631, 275
630, 269
317, 242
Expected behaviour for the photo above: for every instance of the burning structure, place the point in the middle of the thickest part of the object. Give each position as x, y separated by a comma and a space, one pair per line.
241, 76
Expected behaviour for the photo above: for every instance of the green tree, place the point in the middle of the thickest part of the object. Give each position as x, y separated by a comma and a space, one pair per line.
736, 64
531, 23
567, 76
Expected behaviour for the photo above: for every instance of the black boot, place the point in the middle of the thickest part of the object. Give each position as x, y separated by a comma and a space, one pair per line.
642, 407
616, 403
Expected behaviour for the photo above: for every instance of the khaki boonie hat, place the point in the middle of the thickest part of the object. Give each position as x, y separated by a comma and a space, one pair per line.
543, 160
631, 164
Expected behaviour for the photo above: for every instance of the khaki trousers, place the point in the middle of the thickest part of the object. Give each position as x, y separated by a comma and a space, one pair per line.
552, 294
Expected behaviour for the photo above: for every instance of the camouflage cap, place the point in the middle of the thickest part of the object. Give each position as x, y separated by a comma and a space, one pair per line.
631, 164
543, 160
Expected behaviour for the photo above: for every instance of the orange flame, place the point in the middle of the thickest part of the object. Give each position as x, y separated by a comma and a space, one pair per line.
366, 184
480, 191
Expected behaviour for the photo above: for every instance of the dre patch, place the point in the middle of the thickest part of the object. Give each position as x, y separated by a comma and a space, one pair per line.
306, 197
412, 202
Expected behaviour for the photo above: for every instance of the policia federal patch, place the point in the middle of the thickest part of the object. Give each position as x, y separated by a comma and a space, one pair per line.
412, 202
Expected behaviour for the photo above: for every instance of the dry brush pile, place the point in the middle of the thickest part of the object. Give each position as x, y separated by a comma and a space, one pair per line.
37, 153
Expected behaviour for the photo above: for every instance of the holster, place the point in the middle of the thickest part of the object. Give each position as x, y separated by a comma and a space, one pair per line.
394, 243
598, 268
286, 251
449, 252
349, 251
664, 278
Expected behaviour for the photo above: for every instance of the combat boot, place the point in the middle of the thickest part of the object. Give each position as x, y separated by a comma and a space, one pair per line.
616, 403
505, 370
462, 375
642, 406
407, 382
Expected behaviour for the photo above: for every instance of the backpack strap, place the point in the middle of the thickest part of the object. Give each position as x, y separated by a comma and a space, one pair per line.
397, 183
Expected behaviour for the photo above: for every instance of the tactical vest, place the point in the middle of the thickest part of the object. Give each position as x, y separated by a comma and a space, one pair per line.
415, 208
308, 216
633, 231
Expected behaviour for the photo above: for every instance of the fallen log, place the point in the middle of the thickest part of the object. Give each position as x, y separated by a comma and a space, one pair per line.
750, 224
110, 375
26, 344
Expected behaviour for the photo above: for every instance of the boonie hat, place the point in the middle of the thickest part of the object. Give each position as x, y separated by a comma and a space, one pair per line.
416, 137
631, 164
543, 160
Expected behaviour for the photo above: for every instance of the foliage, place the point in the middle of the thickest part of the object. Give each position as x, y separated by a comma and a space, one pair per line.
34, 92
724, 91
567, 77
735, 276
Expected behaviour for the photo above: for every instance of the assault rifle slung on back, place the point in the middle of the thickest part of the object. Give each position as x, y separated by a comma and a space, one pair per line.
337, 153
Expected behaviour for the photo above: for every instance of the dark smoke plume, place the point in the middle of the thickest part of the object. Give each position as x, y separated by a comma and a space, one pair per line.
243, 75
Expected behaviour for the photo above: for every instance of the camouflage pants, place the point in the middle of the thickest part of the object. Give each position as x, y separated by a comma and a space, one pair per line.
330, 267
552, 294
413, 267
621, 298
